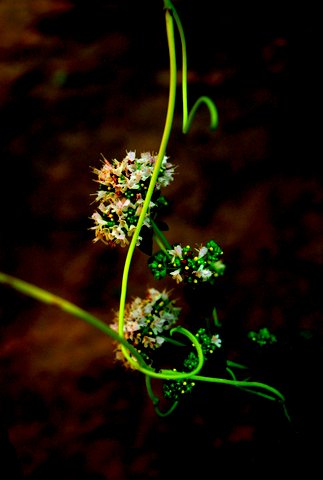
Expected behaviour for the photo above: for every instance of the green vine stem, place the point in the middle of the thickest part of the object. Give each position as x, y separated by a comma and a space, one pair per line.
242, 383
166, 374
49, 298
160, 157
188, 117
160, 238
155, 400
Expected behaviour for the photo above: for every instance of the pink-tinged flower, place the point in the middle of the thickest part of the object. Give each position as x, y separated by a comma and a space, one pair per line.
149, 342
176, 252
216, 340
120, 197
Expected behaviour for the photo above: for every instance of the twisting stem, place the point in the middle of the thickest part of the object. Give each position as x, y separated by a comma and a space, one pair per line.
160, 157
155, 400
166, 374
188, 117
168, 412
237, 383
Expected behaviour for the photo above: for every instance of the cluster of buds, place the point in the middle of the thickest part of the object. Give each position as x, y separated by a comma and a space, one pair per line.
145, 321
122, 190
262, 337
185, 264
174, 389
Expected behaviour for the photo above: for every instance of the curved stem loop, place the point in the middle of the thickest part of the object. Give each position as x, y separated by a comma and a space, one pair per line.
155, 400
188, 117
166, 374
160, 157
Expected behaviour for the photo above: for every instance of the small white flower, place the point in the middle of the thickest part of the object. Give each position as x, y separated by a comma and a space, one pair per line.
159, 340
203, 273
148, 341
101, 194
98, 219
121, 206
131, 156
202, 251
129, 329
153, 294
170, 317
216, 340
177, 251
177, 275
157, 325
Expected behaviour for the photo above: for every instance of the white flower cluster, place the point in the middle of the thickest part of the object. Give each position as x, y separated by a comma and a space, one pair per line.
145, 320
122, 190
187, 264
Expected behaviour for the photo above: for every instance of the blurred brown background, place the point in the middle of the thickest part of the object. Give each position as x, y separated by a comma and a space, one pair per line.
78, 79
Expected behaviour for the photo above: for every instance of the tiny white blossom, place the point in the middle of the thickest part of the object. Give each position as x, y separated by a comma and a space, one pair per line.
177, 251
202, 251
157, 325
203, 273
176, 274
216, 340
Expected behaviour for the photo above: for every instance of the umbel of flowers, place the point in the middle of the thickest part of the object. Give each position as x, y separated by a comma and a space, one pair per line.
146, 321
185, 264
122, 189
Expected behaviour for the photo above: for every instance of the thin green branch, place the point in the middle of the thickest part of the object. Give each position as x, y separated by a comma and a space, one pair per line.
168, 412
172, 341
237, 383
49, 298
160, 243
155, 400
235, 364
160, 237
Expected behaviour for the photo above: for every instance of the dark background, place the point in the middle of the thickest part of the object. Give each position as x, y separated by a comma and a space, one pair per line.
78, 79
